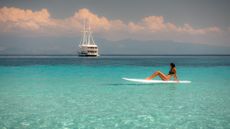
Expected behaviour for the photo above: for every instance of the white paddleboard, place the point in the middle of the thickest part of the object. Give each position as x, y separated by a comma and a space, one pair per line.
154, 81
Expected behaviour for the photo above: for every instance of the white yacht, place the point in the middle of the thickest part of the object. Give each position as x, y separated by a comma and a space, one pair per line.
87, 47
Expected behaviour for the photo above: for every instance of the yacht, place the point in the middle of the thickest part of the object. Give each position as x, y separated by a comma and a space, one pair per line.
87, 46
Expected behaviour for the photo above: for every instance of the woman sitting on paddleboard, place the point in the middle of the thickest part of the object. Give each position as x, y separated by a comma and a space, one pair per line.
164, 77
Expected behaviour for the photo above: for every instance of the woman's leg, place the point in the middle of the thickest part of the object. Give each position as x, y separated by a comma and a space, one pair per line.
158, 73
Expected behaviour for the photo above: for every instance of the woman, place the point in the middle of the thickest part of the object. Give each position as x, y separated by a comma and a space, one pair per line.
164, 77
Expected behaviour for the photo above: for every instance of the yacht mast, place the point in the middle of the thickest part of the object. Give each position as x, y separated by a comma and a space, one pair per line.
87, 38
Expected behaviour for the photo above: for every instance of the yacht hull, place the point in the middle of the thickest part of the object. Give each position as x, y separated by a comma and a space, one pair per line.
81, 55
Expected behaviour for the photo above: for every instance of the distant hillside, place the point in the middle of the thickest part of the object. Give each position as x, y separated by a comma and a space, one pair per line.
69, 46
158, 48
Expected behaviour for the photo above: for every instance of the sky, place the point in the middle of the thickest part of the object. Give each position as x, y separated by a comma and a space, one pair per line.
196, 22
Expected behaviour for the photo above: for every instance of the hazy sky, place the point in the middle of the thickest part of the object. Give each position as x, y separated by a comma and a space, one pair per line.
198, 12
187, 21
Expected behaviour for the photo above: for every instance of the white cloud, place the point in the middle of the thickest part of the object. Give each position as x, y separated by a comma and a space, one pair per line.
152, 27
156, 24
14, 18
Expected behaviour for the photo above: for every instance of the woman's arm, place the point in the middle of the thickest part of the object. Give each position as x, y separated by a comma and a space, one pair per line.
175, 75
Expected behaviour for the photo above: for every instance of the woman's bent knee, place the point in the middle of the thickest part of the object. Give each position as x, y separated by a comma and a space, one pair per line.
158, 72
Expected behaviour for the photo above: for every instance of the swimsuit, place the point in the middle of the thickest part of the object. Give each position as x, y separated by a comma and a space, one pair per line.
171, 72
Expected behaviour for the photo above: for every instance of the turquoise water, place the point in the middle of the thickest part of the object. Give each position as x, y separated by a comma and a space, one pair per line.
71, 93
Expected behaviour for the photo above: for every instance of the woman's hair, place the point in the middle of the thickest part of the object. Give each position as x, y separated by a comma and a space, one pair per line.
172, 65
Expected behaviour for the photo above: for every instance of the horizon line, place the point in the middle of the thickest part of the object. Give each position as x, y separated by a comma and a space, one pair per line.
1, 55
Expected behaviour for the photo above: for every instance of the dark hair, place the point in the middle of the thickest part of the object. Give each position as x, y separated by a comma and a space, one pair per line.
172, 65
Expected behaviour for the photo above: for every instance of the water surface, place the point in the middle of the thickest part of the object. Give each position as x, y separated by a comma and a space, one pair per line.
71, 92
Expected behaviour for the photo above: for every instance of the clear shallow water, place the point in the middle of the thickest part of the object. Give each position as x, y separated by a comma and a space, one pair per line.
68, 92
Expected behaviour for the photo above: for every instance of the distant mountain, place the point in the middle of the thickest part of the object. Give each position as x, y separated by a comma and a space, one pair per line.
155, 47
69, 46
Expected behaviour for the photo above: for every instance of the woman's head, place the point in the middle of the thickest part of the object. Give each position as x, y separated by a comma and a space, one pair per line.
172, 65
